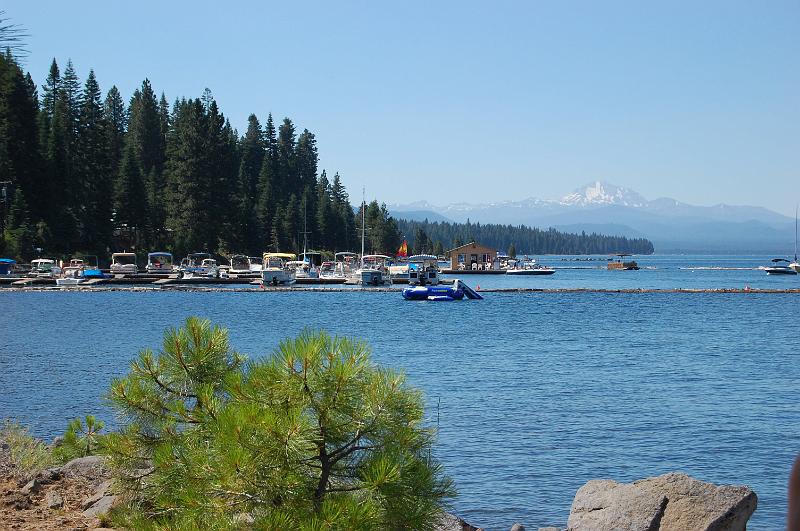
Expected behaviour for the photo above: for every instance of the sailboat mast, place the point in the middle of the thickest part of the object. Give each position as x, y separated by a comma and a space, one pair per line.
795, 233
363, 228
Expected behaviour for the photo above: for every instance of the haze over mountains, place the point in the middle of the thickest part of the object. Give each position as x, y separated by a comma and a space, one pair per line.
672, 226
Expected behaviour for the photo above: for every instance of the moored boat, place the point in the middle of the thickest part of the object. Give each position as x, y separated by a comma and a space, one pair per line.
275, 271
159, 262
423, 270
44, 268
373, 271
124, 264
619, 264
198, 265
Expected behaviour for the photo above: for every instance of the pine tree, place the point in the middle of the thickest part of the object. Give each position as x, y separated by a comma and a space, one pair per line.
20, 157
315, 436
145, 134
130, 199
252, 152
18, 234
117, 124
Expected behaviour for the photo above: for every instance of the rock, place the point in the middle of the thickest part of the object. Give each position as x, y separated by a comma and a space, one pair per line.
672, 502
91, 467
451, 522
101, 506
53, 500
32, 486
550, 529
517, 527
57, 441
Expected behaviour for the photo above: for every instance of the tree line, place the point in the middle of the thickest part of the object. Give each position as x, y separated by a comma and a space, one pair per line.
85, 172
435, 237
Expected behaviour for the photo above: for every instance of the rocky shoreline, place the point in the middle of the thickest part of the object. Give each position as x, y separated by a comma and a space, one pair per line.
79, 494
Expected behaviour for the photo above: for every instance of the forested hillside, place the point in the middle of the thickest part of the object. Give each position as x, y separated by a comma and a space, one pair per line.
427, 237
85, 172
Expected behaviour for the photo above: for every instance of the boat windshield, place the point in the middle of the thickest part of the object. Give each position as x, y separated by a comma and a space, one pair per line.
240, 262
42, 266
274, 262
124, 259
160, 259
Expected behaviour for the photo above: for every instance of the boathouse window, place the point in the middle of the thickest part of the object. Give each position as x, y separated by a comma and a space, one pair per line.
461, 258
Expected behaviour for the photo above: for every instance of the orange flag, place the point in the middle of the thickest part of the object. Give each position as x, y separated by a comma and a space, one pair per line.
403, 250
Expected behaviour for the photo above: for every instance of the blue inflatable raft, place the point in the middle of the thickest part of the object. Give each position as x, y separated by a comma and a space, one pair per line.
456, 292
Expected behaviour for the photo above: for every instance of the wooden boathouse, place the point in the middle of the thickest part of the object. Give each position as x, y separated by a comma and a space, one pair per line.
473, 257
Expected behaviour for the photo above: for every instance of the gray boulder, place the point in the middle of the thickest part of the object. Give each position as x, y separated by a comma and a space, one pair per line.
672, 502
451, 522
92, 467
101, 506
53, 500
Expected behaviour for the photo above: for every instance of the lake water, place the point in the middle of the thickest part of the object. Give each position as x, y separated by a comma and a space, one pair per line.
536, 392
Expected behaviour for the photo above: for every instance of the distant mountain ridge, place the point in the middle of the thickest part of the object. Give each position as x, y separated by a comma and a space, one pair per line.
672, 225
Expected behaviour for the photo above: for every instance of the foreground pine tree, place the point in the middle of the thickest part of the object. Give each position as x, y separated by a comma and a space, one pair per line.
313, 437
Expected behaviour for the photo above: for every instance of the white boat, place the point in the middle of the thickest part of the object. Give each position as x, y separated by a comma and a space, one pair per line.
72, 275
275, 272
44, 268
423, 270
374, 271
244, 265
198, 265
123, 264
159, 262
527, 267
344, 265
302, 269
780, 266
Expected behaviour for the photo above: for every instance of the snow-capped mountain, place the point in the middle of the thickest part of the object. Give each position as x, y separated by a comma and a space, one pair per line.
600, 193
606, 208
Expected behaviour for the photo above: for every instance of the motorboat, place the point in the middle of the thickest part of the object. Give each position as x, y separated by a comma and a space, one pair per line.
124, 264
619, 264
373, 271
275, 271
44, 268
456, 292
423, 270
780, 266
344, 265
302, 269
72, 275
527, 267
399, 271
159, 262
7, 265
245, 265
198, 265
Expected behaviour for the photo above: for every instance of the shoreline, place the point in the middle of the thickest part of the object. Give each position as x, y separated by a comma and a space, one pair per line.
190, 288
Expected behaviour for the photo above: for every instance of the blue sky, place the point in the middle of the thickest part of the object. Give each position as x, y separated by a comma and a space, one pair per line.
476, 101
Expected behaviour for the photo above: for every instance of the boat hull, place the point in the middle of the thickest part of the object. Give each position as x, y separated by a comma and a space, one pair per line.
530, 271
276, 277
780, 270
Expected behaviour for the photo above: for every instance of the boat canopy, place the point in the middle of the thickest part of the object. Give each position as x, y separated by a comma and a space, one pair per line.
159, 253
42, 261
422, 258
285, 256
345, 254
383, 256
9, 261
776, 260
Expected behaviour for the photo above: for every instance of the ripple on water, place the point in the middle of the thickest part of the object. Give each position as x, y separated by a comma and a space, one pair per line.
536, 393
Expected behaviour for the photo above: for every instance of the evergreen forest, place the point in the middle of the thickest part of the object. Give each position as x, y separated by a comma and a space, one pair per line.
437, 237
